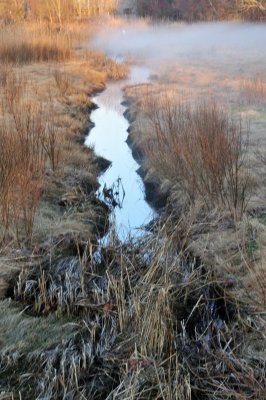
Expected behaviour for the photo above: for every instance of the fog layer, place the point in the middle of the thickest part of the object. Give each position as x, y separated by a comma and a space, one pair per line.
172, 41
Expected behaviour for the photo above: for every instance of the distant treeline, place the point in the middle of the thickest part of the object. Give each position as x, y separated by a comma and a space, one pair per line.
194, 10
54, 10
189, 10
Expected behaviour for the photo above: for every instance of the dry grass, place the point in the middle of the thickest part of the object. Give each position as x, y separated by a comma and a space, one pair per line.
255, 283
191, 343
111, 68
151, 321
62, 81
196, 163
253, 257
20, 45
18, 330
254, 91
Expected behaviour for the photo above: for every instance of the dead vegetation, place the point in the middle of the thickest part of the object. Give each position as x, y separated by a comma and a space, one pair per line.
48, 204
254, 91
22, 170
20, 45
111, 68
177, 314
190, 131
45, 106
193, 344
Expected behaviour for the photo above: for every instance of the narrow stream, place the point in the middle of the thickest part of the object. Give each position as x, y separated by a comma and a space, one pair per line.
109, 140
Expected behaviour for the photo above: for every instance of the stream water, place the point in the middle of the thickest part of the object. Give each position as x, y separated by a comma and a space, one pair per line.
109, 140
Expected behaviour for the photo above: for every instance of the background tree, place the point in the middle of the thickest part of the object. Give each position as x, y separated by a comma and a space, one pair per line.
253, 9
198, 10
13, 9
157, 8
56, 11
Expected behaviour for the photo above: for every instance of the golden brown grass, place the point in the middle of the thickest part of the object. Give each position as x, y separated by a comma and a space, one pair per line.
111, 68
20, 45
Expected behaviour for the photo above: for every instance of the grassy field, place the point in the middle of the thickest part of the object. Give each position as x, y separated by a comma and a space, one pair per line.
176, 314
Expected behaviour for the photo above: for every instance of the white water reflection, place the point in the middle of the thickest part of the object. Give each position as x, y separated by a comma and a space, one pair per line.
109, 140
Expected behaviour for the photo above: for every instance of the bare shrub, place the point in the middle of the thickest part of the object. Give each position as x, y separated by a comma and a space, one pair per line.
6, 176
22, 167
13, 90
200, 148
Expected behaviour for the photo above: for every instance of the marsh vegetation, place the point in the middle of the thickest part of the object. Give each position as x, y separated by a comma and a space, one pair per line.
179, 311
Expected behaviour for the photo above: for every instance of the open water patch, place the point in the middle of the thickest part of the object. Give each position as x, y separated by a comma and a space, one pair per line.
121, 186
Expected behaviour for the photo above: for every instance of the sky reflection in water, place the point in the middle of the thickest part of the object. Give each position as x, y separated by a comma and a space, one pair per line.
109, 140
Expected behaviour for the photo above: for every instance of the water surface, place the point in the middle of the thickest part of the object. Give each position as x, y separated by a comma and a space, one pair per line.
109, 140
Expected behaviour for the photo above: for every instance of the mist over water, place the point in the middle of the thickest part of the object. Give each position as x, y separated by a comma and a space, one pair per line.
170, 42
